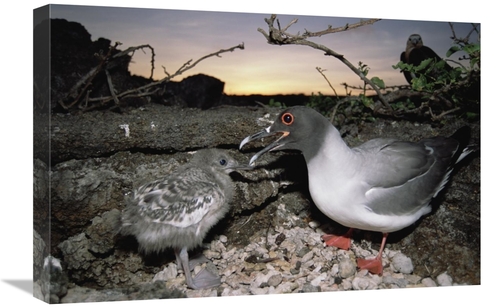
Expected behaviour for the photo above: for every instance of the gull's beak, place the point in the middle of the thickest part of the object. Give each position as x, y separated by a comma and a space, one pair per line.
262, 134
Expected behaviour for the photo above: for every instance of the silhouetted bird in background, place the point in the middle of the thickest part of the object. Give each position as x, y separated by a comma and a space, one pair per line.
416, 52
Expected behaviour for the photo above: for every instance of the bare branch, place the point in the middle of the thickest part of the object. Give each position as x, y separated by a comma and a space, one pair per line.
290, 24
141, 47
328, 81
341, 29
442, 114
146, 90
334, 110
111, 88
187, 66
86, 80
466, 39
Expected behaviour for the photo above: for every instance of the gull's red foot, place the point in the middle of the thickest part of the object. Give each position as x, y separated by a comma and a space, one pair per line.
342, 241
374, 266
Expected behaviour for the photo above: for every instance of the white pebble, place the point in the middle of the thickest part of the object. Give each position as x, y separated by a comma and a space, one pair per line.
394, 281
275, 280
444, 280
259, 291
210, 254
347, 268
314, 224
232, 268
316, 281
363, 283
362, 253
335, 270
263, 279
402, 264
167, 274
308, 256
346, 284
228, 254
428, 282
287, 287
126, 128
413, 279
327, 253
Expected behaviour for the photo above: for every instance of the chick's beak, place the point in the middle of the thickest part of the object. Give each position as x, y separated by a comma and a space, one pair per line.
239, 167
233, 165
270, 147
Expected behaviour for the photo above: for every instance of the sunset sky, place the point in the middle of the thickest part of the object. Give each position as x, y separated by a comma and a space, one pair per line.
180, 35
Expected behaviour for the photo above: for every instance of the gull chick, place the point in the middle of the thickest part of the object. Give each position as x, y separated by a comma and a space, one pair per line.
178, 210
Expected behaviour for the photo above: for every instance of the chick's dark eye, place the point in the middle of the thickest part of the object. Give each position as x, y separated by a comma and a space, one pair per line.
287, 118
222, 162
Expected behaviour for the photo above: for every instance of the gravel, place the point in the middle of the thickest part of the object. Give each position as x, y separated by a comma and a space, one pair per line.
296, 261
286, 260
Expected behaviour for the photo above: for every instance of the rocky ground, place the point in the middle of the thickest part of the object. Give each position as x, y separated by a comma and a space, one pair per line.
270, 240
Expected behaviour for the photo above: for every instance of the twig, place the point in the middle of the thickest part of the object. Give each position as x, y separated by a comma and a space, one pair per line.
87, 79
356, 87
141, 47
295, 20
244, 223
464, 40
261, 104
442, 114
334, 111
320, 70
111, 87
188, 66
341, 29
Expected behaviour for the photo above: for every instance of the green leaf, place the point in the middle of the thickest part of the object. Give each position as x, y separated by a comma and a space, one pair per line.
440, 64
471, 115
402, 66
367, 102
419, 83
378, 82
452, 50
471, 48
398, 105
424, 64
473, 62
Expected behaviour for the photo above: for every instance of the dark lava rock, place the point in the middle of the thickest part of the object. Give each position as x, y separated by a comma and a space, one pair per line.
201, 91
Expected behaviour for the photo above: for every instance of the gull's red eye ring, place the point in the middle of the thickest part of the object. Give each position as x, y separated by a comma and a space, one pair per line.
287, 118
